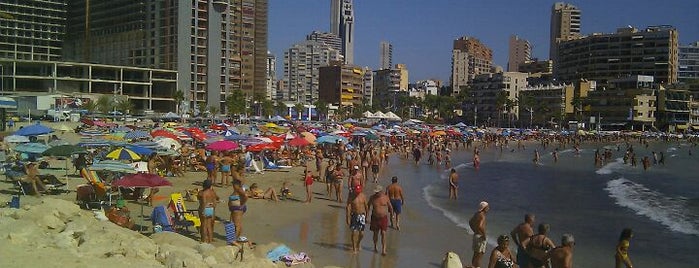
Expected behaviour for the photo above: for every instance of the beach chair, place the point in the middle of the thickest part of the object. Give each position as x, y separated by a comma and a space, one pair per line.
100, 193
250, 164
184, 218
271, 166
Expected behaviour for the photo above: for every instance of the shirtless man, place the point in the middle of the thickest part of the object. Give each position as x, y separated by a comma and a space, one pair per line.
207, 204
375, 162
356, 219
477, 224
453, 185
395, 194
380, 210
355, 183
562, 257
522, 232
225, 163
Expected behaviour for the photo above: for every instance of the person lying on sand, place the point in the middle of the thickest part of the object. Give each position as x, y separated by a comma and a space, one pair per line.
255, 193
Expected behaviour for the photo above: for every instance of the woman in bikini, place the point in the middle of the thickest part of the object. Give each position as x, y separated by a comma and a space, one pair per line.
538, 246
207, 204
237, 205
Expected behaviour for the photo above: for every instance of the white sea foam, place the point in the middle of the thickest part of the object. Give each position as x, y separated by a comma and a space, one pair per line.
669, 211
671, 149
611, 167
458, 220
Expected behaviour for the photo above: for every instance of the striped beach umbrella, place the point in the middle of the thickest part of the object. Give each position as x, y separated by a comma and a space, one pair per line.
136, 134
123, 154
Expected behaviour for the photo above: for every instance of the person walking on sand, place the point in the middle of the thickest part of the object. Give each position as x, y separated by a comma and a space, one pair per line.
562, 257
337, 182
395, 194
453, 185
477, 224
329, 177
207, 204
356, 211
519, 234
381, 208
375, 162
308, 182
622, 249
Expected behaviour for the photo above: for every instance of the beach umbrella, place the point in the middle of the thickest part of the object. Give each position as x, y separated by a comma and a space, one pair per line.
94, 143
63, 128
220, 146
91, 133
33, 130
64, 150
261, 146
331, 139
123, 154
112, 165
309, 136
263, 139
142, 180
148, 144
16, 139
168, 143
58, 143
33, 148
299, 142
136, 134
164, 133
438, 133
139, 149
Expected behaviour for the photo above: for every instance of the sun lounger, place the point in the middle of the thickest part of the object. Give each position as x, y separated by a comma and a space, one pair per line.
183, 217
271, 166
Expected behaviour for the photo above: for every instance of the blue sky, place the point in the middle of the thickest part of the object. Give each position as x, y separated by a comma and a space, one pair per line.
422, 31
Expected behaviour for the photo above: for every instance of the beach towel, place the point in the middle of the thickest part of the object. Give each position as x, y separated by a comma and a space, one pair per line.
230, 232
294, 259
277, 253
160, 217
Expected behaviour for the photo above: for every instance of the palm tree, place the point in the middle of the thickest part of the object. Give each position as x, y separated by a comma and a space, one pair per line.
500, 102
178, 97
322, 108
202, 108
298, 107
509, 105
267, 108
235, 102
105, 104
213, 111
124, 105
91, 106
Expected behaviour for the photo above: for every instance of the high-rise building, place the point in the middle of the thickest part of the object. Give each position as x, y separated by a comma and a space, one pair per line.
301, 70
385, 55
32, 30
520, 52
341, 84
329, 39
368, 87
388, 84
271, 92
486, 90
342, 25
469, 58
565, 25
628, 52
689, 62
216, 46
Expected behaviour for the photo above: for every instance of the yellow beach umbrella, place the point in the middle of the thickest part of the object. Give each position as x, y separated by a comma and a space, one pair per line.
123, 154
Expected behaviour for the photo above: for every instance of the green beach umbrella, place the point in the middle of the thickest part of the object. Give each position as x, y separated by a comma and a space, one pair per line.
64, 150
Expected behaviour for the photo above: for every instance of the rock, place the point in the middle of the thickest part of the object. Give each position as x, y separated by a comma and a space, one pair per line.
51, 222
205, 249
225, 254
210, 261
173, 239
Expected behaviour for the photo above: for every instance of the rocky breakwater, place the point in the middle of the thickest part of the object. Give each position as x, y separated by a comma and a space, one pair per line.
57, 233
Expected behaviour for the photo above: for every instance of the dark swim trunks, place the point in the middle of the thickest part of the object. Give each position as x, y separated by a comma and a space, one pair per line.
397, 205
243, 208
375, 168
379, 223
358, 222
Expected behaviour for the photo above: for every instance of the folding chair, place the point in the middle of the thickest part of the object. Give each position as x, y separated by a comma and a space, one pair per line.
183, 216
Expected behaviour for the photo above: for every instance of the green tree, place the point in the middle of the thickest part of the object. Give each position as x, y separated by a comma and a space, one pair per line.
527, 104
178, 97
105, 104
322, 108
298, 107
267, 108
91, 106
213, 111
124, 105
235, 102
500, 102
201, 106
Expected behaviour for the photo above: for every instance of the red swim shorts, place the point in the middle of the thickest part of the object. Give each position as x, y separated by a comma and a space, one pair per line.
379, 223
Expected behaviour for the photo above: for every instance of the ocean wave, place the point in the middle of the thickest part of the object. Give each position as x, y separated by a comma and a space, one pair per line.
455, 218
669, 211
459, 220
611, 167
671, 149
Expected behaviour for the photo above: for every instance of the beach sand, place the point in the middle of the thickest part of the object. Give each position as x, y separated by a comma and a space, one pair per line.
266, 222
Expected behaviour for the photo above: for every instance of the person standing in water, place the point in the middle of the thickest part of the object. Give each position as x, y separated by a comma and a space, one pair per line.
395, 194
453, 185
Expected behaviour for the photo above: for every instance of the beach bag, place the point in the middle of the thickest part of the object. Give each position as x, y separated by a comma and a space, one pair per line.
230, 232
451, 260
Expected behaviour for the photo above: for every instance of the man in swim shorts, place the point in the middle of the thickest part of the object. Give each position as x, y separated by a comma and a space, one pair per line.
207, 205
356, 219
380, 210
477, 224
395, 194
520, 233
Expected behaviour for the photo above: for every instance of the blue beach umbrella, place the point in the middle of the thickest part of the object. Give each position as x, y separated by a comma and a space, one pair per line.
123, 154
136, 134
33, 130
331, 139
140, 149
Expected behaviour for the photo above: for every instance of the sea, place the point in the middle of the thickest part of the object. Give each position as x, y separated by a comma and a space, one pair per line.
573, 195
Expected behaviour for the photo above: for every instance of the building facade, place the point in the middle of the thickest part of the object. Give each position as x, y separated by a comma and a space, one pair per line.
674, 107
32, 30
329, 39
628, 52
520, 52
469, 58
385, 55
342, 25
341, 84
215, 46
271, 92
565, 25
368, 87
490, 93
626, 103
301, 70
688, 62
388, 84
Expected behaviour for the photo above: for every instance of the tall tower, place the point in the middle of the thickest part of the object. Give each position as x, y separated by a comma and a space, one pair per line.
301, 64
520, 52
469, 58
565, 25
32, 30
342, 25
386, 55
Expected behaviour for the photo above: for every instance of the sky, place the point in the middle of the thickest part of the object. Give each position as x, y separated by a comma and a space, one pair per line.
422, 31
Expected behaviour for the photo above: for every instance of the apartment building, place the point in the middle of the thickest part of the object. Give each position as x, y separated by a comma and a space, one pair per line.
469, 58
688, 62
489, 94
342, 25
385, 55
520, 52
341, 84
626, 103
389, 84
302, 62
565, 25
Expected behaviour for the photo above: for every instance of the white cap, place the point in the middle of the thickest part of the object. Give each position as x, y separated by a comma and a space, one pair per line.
482, 205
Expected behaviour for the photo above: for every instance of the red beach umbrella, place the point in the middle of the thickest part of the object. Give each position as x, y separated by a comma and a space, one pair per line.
261, 147
299, 142
164, 133
142, 180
